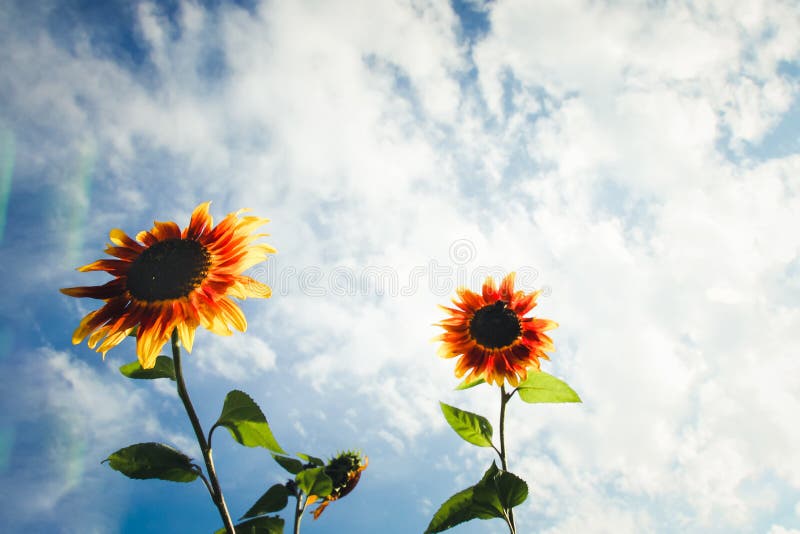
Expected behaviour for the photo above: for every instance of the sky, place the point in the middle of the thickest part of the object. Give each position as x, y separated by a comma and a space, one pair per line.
637, 162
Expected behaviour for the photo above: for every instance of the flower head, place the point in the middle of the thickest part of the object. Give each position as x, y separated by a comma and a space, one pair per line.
491, 335
344, 471
169, 279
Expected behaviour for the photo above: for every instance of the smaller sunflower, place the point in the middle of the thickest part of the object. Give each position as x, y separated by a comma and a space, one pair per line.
345, 472
170, 279
492, 336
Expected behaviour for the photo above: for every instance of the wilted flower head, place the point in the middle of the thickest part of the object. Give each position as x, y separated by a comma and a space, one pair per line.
344, 471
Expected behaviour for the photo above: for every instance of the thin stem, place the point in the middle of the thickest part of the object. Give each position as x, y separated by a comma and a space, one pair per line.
214, 490
205, 481
298, 512
504, 398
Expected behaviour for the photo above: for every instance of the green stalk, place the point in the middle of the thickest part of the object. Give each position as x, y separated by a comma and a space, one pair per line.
215, 490
504, 398
298, 512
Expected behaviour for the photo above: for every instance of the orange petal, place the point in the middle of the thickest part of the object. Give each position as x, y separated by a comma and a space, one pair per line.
470, 301
147, 238
123, 253
200, 223
489, 291
524, 303
113, 267
320, 509
111, 289
165, 230
507, 287
121, 239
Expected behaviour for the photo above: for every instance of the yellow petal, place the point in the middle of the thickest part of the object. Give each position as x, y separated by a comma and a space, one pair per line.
254, 288
233, 314
186, 334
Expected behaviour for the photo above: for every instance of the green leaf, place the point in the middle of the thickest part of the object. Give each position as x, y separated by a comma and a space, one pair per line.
455, 510
467, 385
310, 459
274, 499
292, 465
472, 427
497, 492
164, 368
541, 387
314, 481
259, 525
486, 502
511, 489
153, 460
246, 422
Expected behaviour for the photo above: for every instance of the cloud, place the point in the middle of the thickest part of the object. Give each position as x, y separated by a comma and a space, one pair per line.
235, 358
66, 416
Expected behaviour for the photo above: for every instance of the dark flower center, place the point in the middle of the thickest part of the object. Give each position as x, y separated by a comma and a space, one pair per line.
495, 326
169, 269
339, 469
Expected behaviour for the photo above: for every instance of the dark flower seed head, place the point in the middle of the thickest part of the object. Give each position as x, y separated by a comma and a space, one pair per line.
495, 326
168, 269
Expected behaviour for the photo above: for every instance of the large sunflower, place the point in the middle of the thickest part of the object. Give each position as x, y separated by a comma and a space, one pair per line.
169, 279
492, 336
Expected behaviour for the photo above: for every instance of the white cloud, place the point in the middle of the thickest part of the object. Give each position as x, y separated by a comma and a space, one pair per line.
68, 416
235, 358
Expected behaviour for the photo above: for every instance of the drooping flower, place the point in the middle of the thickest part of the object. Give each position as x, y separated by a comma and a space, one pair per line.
344, 471
491, 335
169, 279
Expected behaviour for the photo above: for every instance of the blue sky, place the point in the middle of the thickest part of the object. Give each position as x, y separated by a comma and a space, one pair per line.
637, 162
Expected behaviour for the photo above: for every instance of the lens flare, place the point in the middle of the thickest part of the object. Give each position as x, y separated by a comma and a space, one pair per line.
7, 154
7, 435
6, 339
81, 188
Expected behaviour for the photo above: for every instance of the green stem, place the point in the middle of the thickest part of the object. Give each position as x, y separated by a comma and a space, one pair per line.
504, 398
215, 490
298, 512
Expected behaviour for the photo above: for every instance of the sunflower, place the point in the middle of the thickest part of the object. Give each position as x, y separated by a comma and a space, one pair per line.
344, 471
492, 336
169, 279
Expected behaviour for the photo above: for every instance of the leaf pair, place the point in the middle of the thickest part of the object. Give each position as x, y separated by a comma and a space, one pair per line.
310, 476
311, 480
240, 415
539, 387
493, 497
